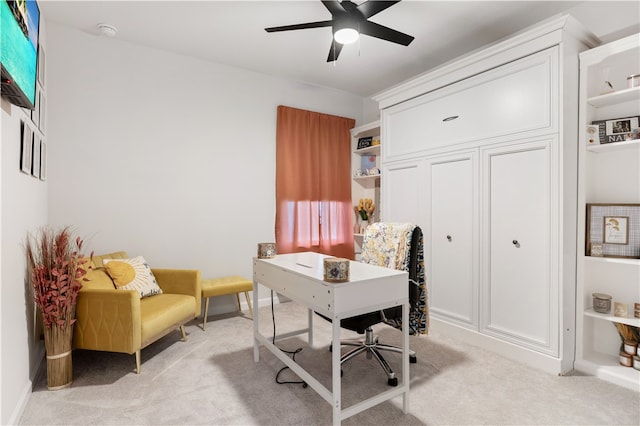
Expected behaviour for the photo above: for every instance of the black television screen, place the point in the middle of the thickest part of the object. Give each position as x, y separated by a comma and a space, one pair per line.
20, 21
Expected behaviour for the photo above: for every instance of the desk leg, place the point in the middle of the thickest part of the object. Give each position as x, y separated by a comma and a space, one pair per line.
405, 356
310, 325
335, 372
256, 324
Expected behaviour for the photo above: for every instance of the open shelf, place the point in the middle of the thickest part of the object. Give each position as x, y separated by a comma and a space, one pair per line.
607, 367
634, 322
371, 150
366, 178
618, 260
616, 146
620, 96
367, 186
606, 173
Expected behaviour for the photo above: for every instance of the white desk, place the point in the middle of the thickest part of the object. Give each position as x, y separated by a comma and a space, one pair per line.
299, 276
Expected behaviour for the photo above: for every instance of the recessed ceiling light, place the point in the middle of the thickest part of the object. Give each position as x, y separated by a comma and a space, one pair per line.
107, 30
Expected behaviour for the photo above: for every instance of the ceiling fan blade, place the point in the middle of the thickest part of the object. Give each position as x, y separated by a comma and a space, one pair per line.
370, 8
334, 7
385, 33
334, 52
318, 24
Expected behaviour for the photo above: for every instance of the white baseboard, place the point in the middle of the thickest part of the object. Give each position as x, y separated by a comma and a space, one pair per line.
227, 304
264, 301
526, 356
27, 389
23, 400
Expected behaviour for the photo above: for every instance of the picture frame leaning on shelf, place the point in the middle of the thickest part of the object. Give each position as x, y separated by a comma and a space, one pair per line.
613, 230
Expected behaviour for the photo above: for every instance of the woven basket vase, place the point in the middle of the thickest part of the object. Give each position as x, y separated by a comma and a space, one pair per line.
57, 342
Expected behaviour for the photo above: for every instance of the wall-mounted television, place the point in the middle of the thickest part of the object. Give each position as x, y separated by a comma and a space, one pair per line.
20, 22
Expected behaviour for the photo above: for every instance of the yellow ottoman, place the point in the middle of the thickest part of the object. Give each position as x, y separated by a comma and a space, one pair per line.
223, 286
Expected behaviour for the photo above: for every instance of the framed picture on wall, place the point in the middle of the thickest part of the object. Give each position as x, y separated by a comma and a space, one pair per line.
613, 230
42, 108
26, 147
35, 113
41, 65
43, 160
35, 164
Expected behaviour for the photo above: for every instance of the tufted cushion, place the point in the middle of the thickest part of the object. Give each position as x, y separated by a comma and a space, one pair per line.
132, 274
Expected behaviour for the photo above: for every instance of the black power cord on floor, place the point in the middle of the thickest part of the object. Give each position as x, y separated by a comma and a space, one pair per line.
292, 353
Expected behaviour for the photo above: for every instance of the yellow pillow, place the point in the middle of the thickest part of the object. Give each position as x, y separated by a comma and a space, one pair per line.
98, 259
133, 274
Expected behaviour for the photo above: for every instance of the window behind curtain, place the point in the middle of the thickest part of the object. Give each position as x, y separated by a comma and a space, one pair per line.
313, 183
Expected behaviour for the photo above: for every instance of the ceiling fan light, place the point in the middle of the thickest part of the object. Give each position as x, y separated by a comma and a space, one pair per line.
346, 36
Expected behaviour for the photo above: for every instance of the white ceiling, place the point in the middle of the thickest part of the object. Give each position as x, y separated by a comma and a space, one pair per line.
232, 32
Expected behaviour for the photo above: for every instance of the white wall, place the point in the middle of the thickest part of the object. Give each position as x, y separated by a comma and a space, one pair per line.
167, 156
24, 208
150, 152
609, 20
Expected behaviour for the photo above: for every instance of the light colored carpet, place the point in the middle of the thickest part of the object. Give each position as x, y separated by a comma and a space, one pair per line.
212, 379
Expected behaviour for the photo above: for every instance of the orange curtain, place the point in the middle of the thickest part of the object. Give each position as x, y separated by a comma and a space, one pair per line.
313, 183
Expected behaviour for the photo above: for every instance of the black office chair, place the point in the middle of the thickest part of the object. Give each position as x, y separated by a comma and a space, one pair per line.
399, 246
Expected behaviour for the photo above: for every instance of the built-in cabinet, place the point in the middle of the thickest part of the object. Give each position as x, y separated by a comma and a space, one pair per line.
608, 173
365, 184
482, 154
519, 291
452, 192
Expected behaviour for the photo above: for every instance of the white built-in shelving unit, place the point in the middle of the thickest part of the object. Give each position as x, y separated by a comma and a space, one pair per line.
365, 186
607, 173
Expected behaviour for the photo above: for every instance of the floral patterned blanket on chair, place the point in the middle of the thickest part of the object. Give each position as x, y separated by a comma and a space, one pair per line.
389, 245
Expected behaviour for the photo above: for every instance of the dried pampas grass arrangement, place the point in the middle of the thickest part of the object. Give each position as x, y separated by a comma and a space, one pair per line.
628, 333
56, 268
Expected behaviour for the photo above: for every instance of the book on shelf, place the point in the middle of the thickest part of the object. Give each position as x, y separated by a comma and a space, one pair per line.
617, 129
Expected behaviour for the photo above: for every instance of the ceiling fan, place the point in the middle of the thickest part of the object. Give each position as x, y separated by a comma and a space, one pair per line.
348, 20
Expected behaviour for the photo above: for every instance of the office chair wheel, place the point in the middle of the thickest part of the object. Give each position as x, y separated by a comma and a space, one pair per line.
393, 382
413, 359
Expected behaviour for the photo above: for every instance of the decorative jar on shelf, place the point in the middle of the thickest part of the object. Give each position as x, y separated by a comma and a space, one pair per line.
601, 303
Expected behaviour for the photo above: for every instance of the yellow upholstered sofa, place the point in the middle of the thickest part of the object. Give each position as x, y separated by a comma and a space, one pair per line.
120, 321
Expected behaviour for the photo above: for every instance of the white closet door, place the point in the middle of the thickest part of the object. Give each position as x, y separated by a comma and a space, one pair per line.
450, 239
517, 287
401, 187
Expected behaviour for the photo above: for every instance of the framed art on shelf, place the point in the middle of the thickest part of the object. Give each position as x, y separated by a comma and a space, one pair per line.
613, 230
364, 142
